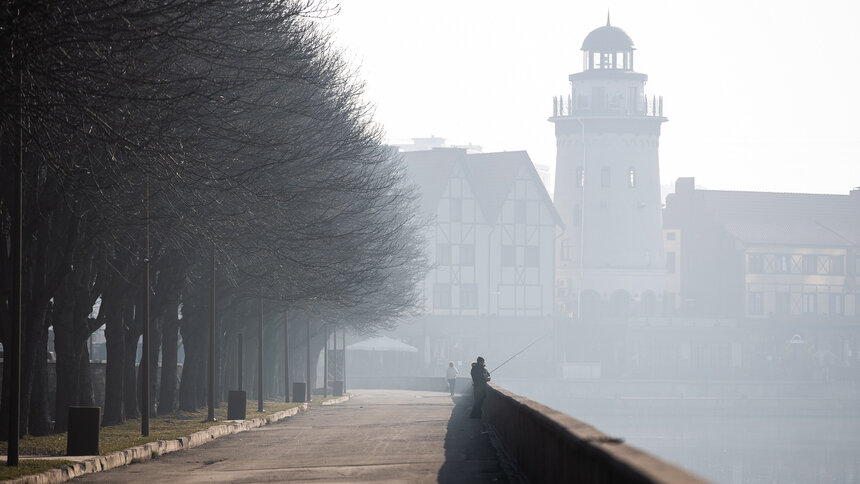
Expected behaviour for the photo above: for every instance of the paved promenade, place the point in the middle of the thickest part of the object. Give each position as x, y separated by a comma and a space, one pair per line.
376, 436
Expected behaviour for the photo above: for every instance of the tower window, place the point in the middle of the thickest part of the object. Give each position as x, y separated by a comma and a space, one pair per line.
566, 250
605, 178
631, 177
580, 176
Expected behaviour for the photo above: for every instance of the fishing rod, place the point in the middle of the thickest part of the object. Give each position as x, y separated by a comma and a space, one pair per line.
520, 351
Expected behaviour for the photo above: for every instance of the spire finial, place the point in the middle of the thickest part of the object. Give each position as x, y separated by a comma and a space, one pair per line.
607, 18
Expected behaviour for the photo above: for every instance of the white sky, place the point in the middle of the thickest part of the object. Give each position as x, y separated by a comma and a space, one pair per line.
760, 95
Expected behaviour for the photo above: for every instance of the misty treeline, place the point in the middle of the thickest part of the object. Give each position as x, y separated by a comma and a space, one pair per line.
222, 129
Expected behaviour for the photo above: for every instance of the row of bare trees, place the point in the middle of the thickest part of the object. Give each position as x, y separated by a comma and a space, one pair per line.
166, 134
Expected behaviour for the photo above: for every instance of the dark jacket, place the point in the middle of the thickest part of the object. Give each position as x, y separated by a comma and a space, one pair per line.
480, 375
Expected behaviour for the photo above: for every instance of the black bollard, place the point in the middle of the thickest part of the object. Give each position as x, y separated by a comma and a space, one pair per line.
83, 435
237, 401
299, 391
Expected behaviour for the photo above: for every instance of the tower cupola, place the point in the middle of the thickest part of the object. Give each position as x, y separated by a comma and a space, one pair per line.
607, 47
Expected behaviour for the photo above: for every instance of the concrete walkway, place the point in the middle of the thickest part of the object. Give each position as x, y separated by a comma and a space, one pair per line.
376, 436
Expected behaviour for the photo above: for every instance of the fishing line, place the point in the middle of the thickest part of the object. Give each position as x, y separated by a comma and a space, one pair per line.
520, 351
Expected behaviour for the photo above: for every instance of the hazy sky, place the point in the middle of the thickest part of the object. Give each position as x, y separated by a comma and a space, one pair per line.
760, 95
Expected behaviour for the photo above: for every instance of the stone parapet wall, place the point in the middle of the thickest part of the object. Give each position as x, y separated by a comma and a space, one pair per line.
548, 446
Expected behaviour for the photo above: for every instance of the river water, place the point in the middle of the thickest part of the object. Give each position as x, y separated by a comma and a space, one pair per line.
756, 447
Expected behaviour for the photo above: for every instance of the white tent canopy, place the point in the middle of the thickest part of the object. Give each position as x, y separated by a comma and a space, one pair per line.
382, 343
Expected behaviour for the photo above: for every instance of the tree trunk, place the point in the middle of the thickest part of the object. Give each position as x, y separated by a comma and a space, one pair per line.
40, 418
192, 387
169, 351
129, 372
30, 370
114, 409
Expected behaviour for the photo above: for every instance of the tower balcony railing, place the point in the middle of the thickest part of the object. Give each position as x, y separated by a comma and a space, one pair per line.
585, 106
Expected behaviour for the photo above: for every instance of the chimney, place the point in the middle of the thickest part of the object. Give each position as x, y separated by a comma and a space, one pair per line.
685, 185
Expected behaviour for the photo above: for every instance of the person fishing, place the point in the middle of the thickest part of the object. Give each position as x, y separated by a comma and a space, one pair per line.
480, 377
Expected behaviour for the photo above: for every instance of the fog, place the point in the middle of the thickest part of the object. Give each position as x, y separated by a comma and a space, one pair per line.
594, 268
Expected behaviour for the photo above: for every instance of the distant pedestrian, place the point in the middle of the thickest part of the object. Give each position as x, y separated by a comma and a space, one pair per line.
451, 375
480, 377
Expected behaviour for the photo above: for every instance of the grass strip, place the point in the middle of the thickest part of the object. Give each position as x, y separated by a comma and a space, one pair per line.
126, 435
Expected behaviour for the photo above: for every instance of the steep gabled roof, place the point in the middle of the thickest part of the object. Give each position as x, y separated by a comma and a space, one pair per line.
491, 177
430, 170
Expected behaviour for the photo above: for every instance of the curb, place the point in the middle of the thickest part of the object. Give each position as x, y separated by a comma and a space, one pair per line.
159, 447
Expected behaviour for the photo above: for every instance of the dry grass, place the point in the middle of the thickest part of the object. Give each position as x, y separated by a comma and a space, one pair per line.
30, 466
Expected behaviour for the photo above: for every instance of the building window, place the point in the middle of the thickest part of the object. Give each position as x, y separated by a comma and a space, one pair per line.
837, 265
808, 303
810, 264
531, 256
796, 264
837, 307
565, 250
456, 206
755, 264
443, 254
783, 303
605, 178
777, 263
631, 177
825, 264
441, 295
561, 288
468, 296
509, 256
670, 262
670, 235
467, 254
756, 303
520, 211
580, 176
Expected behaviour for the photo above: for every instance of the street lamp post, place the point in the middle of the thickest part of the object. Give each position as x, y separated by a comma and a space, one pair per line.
260, 357
286, 357
211, 364
308, 389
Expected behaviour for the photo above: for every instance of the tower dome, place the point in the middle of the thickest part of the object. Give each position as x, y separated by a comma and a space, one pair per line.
607, 47
607, 39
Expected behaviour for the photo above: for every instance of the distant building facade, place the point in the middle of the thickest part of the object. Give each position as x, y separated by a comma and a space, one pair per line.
756, 255
491, 234
609, 258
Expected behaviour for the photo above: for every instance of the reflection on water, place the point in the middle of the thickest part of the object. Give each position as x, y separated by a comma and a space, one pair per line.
753, 448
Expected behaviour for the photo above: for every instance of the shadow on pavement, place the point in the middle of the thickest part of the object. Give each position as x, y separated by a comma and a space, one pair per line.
469, 455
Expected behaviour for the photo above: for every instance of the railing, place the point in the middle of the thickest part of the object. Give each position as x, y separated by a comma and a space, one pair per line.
590, 106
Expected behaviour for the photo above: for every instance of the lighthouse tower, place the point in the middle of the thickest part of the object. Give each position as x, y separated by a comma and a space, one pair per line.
610, 259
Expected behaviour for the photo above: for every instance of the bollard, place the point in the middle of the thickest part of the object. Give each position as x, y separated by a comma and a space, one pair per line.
337, 388
83, 435
299, 391
236, 402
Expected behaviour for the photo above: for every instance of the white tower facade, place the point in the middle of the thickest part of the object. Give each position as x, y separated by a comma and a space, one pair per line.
610, 260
